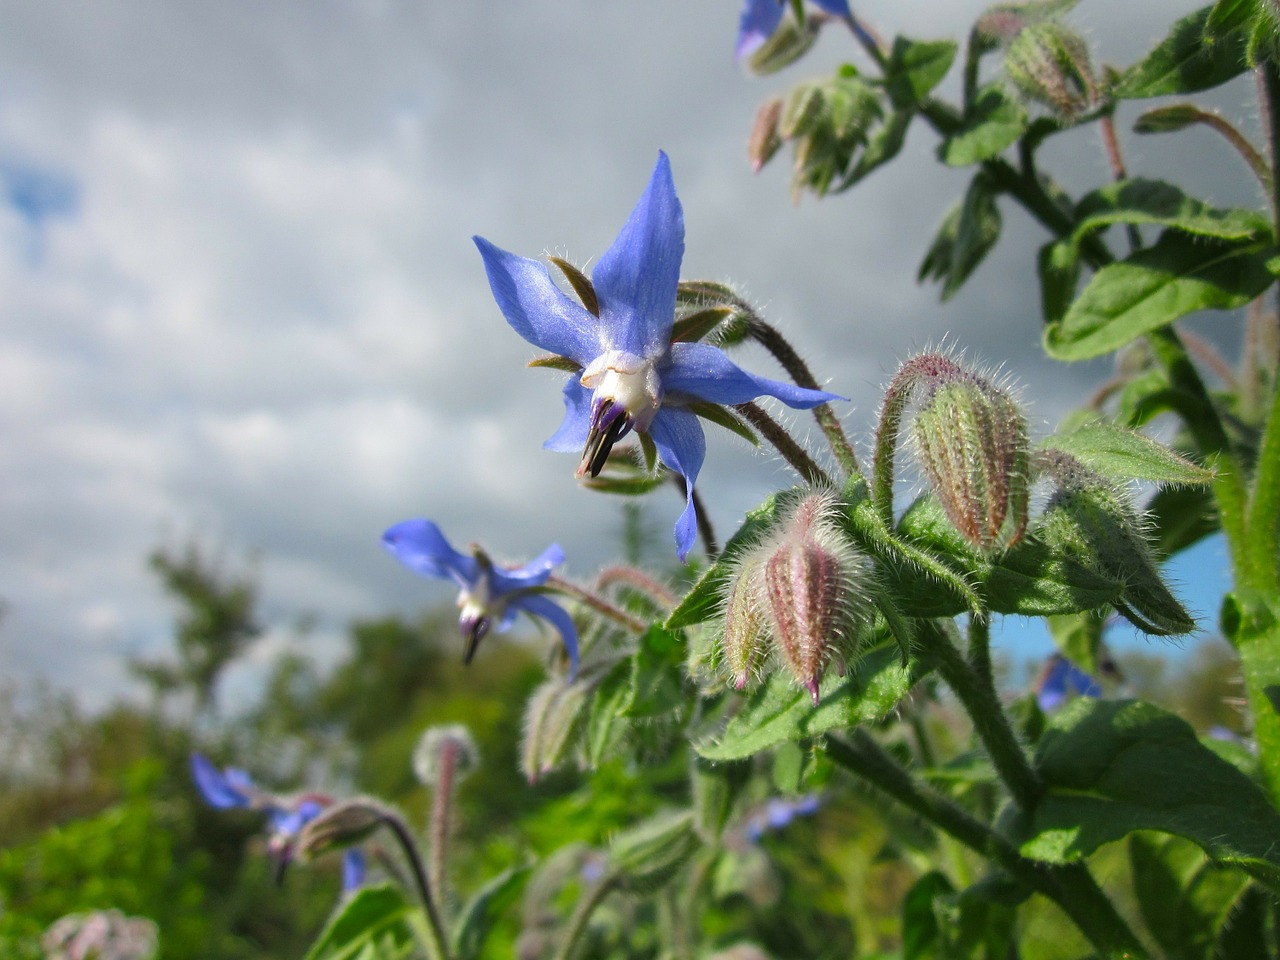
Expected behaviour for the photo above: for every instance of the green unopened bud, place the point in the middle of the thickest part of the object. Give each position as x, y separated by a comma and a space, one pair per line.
551, 718
648, 855
971, 441
812, 584
340, 825
745, 643
785, 46
447, 750
765, 141
1049, 63
802, 110
1094, 522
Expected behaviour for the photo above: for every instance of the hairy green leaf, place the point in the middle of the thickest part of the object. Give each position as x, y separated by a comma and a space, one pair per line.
1188, 60
1123, 455
915, 68
374, 923
485, 909
996, 122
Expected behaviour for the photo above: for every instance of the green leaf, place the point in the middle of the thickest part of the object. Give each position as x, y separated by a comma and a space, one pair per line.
1169, 119
648, 855
882, 147
1111, 767
1142, 201
657, 688
1155, 286
1179, 517
1244, 933
485, 909
1079, 636
1186, 61
996, 122
1059, 266
921, 931
1229, 15
697, 325
782, 710
1123, 455
915, 67
965, 237
373, 923
606, 725
1184, 898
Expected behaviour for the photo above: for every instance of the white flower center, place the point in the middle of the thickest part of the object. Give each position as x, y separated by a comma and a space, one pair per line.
631, 382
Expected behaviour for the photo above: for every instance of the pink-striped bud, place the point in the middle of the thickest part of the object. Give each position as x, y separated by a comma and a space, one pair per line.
971, 440
809, 584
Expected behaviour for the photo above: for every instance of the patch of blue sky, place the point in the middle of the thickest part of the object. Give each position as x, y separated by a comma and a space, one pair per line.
38, 194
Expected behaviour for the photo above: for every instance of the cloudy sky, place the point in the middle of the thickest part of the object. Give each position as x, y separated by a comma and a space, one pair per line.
240, 301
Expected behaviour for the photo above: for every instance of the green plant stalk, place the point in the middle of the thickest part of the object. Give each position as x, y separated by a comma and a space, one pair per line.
1070, 886
1256, 638
598, 604
978, 695
436, 943
441, 806
582, 915
1263, 524
783, 442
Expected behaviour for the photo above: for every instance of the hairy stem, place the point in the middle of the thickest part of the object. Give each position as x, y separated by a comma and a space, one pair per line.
637, 580
437, 941
596, 603
582, 915
783, 442
441, 808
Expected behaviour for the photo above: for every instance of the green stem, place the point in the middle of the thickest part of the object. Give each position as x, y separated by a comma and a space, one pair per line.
582, 915
441, 805
437, 942
783, 442
773, 341
1264, 508
1070, 886
978, 695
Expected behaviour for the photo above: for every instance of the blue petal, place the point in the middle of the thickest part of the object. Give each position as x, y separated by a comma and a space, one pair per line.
839, 8
572, 435
421, 547
703, 372
536, 308
636, 278
539, 605
353, 869
759, 19
217, 788
532, 574
682, 446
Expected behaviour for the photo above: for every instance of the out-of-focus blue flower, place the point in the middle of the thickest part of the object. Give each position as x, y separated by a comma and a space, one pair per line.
631, 375
232, 788
761, 17
1060, 679
778, 813
489, 596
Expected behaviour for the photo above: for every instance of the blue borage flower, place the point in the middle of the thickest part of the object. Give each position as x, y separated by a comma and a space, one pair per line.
632, 377
761, 17
489, 596
1061, 679
232, 788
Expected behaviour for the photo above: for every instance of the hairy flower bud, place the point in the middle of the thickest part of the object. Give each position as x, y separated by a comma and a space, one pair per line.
809, 582
785, 46
450, 746
745, 642
971, 441
1049, 63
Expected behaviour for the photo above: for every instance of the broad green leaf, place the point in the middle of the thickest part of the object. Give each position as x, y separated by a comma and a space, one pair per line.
1229, 15
996, 122
1111, 767
965, 237
915, 68
1059, 266
782, 710
1183, 896
485, 909
1186, 61
1123, 455
1179, 275
1141, 201
703, 601
375, 919
1028, 579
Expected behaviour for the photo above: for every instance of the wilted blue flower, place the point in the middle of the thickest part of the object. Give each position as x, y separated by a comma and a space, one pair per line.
232, 788
1061, 678
632, 376
761, 17
489, 596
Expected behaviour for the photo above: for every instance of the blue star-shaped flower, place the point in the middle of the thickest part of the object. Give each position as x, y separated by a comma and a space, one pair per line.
232, 788
489, 596
761, 17
1061, 679
631, 375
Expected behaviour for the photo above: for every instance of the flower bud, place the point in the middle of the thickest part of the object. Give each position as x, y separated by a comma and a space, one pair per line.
339, 825
971, 440
745, 642
812, 591
764, 141
648, 855
1050, 64
450, 746
785, 46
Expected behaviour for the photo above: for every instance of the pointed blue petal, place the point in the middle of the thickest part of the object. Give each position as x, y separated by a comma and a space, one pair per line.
421, 547
540, 606
572, 435
536, 308
759, 19
636, 278
353, 869
532, 574
839, 8
682, 446
214, 785
703, 372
